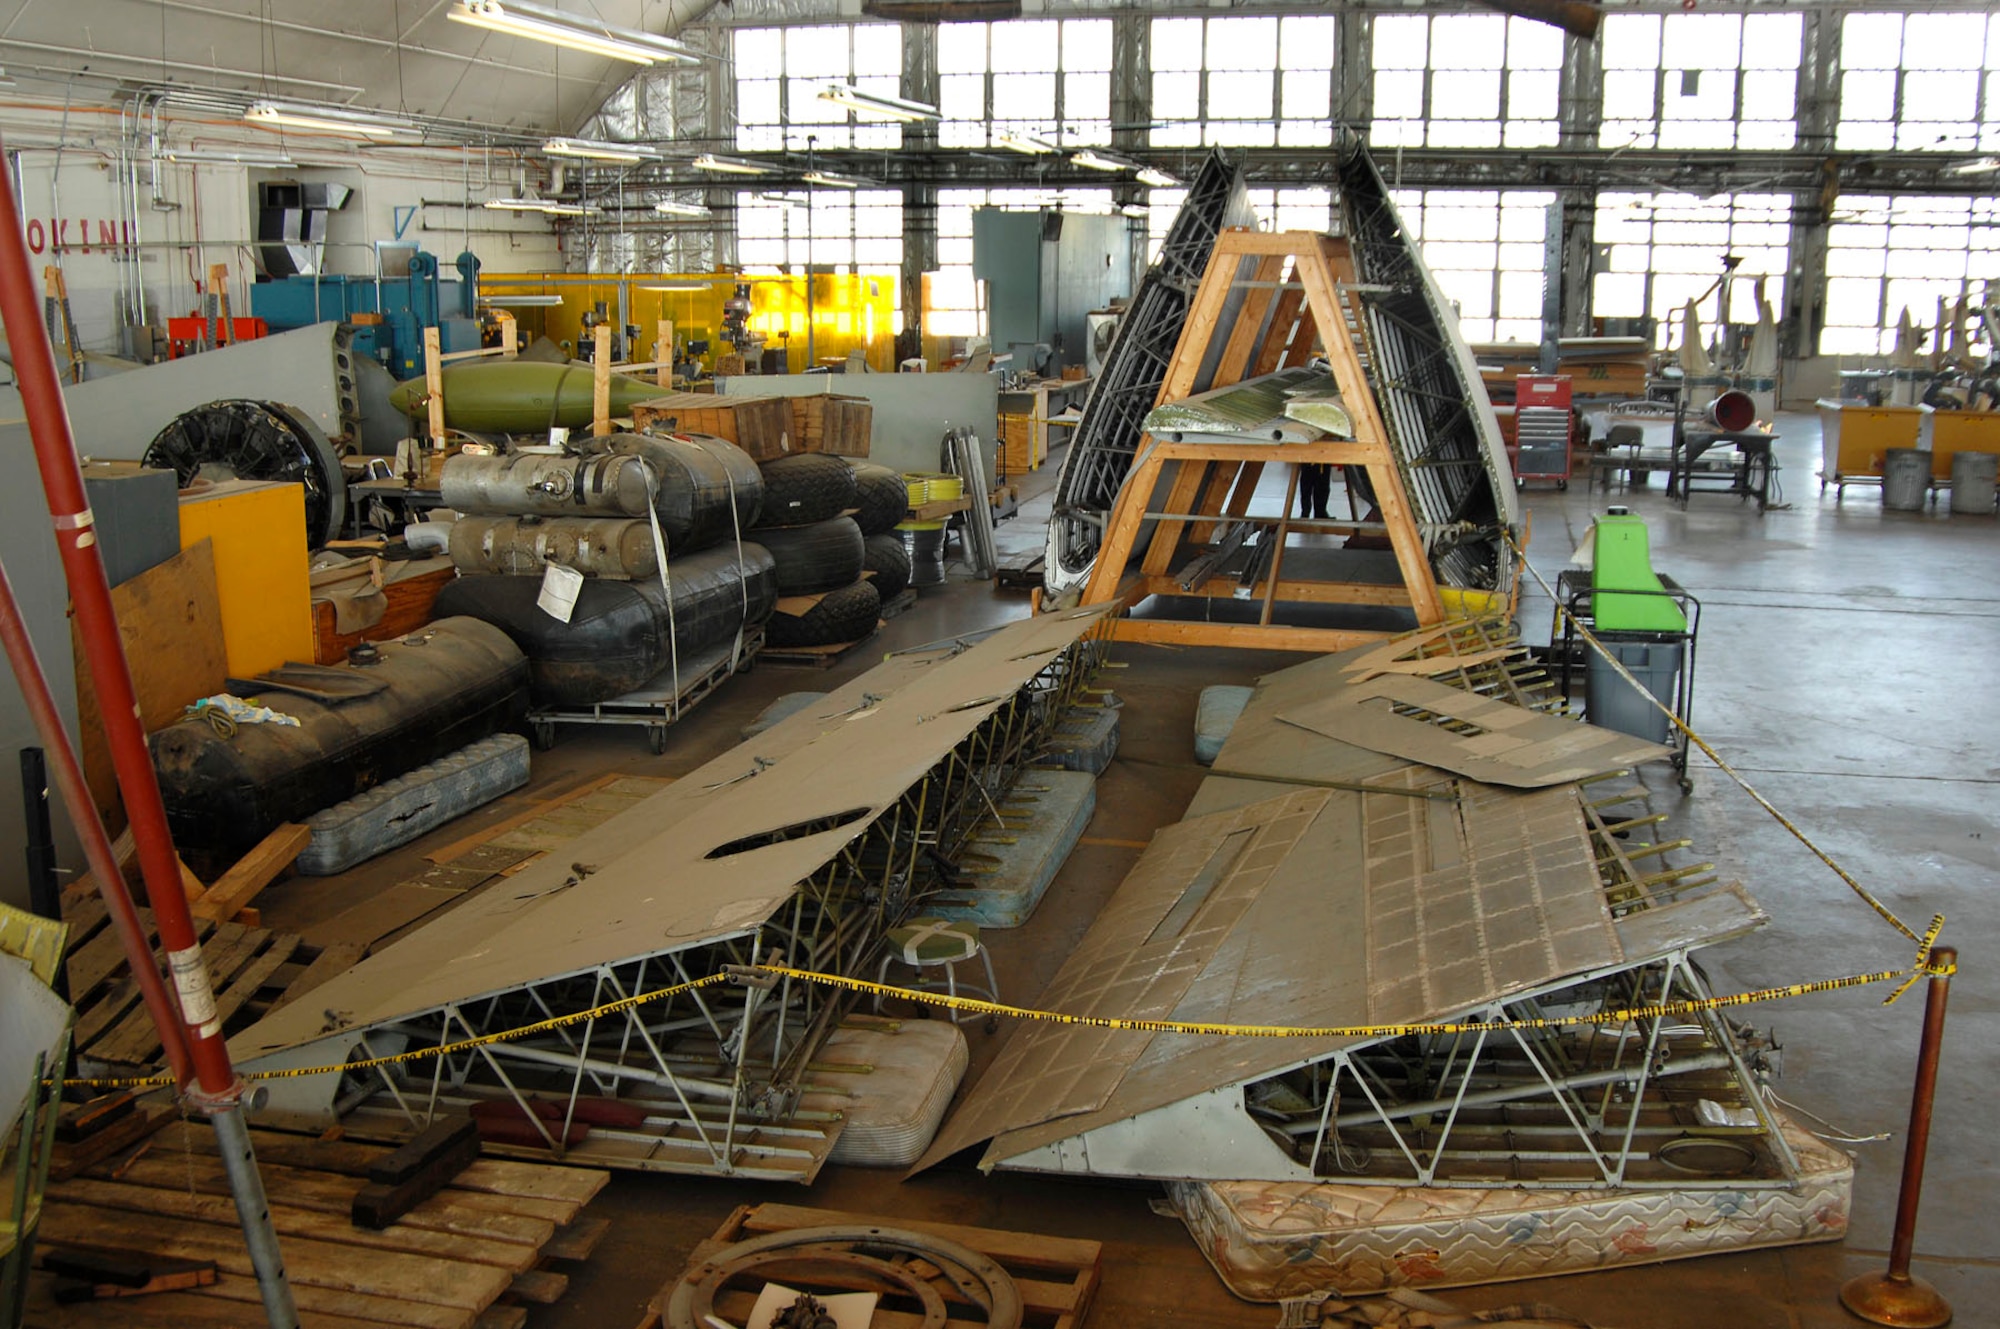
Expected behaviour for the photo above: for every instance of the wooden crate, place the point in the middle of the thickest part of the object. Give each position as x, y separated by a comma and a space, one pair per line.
761, 426
1024, 445
824, 422
1057, 1276
410, 603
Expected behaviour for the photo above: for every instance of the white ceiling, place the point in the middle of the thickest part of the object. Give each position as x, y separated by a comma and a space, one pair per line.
396, 55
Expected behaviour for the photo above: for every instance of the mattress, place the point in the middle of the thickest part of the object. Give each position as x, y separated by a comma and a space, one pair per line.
1275, 1240
892, 1081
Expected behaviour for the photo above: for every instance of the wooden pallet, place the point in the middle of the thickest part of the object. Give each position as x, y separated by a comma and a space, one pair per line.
900, 603
814, 657
465, 1259
253, 970
1057, 1276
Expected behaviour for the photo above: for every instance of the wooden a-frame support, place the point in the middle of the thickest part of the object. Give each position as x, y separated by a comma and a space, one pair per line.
1277, 325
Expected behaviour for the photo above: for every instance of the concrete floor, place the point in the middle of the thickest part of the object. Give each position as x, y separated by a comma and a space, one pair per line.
1842, 655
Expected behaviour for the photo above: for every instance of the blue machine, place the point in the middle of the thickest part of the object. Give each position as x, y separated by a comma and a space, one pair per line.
408, 304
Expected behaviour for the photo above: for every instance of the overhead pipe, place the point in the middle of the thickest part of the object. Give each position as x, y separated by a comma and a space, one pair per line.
217, 1091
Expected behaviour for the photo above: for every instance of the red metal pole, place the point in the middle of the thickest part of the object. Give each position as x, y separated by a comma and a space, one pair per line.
1899, 1297
97, 627
218, 1091
97, 849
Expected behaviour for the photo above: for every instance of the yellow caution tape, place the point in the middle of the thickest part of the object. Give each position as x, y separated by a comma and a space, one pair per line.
1924, 968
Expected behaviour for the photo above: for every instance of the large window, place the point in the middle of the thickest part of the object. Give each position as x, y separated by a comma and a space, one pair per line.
1466, 81
1919, 82
860, 232
1701, 80
1667, 249
955, 308
1307, 209
780, 73
1046, 79
1485, 248
1886, 255
1242, 82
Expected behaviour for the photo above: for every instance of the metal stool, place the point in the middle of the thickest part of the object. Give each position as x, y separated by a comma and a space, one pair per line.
928, 943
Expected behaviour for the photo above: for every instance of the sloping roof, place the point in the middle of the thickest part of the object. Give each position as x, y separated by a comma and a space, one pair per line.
662, 874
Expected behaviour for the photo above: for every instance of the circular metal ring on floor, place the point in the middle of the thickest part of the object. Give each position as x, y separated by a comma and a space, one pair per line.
851, 1249
1707, 1156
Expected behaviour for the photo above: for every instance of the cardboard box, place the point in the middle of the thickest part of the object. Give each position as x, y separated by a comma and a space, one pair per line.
761, 426
824, 422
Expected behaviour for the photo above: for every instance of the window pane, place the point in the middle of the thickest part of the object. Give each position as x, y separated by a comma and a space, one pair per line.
1532, 94
1086, 96
1399, 94
1871, 41
1025, 47
1024, 96
962, 96
961, 48
816, 53
878, 49
760, 52
1242, 43
1400, 41
1772, 41
1466, 95
1306, 94
1306, 43
1944, 41
1628, 93
1239, 96
1532, 45
1702, 41
1468, 41
1631, 41
1176, 44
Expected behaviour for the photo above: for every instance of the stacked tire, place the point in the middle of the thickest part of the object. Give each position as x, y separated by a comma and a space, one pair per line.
822, 520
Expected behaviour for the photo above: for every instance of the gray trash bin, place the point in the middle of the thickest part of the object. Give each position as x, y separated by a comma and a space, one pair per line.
1611, 702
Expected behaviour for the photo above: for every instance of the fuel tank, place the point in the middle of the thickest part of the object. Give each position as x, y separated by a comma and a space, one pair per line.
431, 693
520, 396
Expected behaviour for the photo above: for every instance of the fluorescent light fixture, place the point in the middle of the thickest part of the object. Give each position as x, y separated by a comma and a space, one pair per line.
1027, 143
679, 287
517, 18
785, 200
1158, 179
1101, 161
593, 150
543, 205
876, 105
1981, 167
833, 180
521, 301
708, 161
202, 156
328, 119
670, 208
1135, 210
5, 80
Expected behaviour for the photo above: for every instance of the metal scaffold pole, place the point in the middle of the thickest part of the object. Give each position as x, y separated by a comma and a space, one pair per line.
190, 1031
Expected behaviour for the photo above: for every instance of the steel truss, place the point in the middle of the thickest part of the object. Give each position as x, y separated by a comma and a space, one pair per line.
1650, 1102
1107, 437
715, 1080
1433, 403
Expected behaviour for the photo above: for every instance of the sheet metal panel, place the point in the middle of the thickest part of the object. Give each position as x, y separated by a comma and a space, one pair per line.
657, 879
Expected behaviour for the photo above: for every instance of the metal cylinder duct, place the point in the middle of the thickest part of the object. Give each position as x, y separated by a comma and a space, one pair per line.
617, 547
533, 483
1732, 411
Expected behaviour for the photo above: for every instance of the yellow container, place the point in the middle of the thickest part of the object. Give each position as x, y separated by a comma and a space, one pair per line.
920, 489
1953, 432
946, 487
262, 581
1855, 437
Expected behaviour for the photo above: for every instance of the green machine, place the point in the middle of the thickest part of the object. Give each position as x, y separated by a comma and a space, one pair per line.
1645, 622
1621, 560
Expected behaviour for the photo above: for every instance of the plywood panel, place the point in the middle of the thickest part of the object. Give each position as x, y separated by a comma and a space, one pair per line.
170, 619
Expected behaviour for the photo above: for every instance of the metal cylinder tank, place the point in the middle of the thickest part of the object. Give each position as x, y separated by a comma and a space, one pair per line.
617, 547
542, 483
